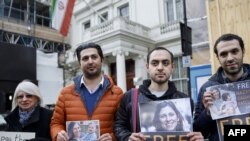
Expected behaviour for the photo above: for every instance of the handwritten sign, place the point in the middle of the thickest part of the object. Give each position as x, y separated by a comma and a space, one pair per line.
16, 136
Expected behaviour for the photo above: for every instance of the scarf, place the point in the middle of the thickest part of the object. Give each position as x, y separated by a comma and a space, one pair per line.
25, 115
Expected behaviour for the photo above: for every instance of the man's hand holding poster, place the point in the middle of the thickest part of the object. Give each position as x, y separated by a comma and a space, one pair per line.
231, 105
166, 120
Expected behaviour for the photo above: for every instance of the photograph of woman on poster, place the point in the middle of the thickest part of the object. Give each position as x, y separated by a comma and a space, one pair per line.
217, 101
168, 118
74, 131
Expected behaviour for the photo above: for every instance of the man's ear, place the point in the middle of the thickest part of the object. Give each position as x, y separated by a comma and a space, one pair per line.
147, 66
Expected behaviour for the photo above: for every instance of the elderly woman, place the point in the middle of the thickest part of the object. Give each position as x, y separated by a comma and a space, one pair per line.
27, 115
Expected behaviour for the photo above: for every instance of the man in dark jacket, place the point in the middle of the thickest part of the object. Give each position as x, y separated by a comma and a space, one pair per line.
160, 67
229, 49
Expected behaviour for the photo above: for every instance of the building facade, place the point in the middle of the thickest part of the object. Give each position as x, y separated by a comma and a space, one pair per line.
33, 49
128, 29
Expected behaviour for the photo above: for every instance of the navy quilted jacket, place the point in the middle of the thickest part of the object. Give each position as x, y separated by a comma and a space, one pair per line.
204, 122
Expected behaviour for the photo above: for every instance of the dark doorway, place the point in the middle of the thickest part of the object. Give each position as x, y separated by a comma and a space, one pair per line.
130, 72
17, 63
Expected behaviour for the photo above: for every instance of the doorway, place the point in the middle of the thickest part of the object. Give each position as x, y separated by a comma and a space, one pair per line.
130, 72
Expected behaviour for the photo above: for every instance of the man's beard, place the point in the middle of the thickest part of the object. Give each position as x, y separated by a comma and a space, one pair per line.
233, 71
161, 81
92, 75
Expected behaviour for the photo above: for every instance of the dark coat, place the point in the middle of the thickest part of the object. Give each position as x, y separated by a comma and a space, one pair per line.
202, 121
39, 123
123, 126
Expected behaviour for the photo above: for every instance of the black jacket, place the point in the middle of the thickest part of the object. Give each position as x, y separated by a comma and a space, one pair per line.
39, 123
203, 122
123, 126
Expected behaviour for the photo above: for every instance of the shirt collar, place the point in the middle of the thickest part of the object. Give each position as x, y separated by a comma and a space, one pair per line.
100, 84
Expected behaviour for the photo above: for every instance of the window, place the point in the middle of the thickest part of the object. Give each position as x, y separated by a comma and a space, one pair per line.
174, 10
179, 76
103, 18
86, 25
124, 11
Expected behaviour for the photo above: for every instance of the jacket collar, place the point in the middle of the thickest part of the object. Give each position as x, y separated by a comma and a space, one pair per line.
107, 83
14, 116
222, 79
168, 94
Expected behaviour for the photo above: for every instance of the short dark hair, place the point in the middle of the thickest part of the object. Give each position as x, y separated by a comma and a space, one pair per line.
228, 37
88, 45
160, 48
224, 96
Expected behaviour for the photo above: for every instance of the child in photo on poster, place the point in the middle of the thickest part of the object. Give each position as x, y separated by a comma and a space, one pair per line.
229, 105
91, 134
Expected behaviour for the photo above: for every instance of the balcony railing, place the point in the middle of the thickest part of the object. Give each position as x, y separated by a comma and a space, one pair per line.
169, 27
119, 24
166, 31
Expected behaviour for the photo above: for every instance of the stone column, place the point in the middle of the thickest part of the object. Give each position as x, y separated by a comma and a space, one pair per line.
140, 70
121, 68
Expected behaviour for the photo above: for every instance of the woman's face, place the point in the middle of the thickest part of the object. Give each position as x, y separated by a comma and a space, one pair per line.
216, 94
26, 101
77, 131
168, 118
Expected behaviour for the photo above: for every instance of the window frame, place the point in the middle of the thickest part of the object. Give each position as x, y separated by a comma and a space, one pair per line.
124, 6
85, 23
105, 16
174, 11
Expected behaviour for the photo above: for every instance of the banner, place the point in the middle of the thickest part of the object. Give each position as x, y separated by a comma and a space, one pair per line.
61, 12
16, 136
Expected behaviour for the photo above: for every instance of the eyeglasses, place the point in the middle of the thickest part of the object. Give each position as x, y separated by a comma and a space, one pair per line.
22, 96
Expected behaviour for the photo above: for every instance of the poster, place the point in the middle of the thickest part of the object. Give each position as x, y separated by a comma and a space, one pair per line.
166, 119
230, 99
231, 105
87, 130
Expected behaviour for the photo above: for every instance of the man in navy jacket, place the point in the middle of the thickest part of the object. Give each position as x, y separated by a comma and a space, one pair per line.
229, 50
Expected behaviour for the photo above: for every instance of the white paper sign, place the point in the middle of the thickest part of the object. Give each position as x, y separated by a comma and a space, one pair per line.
186, 61
16, 136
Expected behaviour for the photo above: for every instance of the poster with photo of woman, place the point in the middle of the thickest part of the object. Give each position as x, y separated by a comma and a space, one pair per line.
87, 130
166, 116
